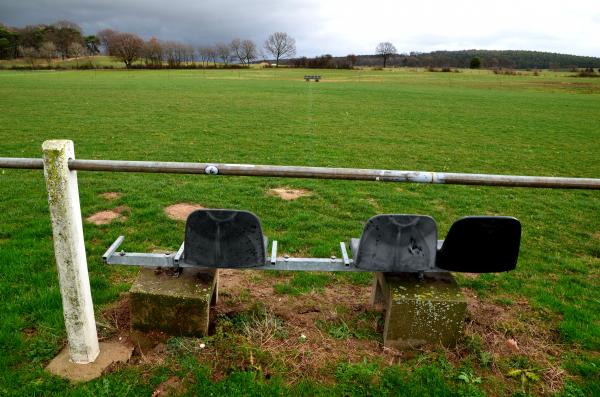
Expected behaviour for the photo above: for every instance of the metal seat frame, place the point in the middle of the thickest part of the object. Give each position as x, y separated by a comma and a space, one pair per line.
344, 263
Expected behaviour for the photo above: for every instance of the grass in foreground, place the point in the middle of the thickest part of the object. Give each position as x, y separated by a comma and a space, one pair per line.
463, 122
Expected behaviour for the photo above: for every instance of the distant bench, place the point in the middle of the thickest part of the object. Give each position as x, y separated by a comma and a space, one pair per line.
315, 78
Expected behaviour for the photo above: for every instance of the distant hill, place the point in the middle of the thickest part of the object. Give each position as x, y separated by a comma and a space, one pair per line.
513, 59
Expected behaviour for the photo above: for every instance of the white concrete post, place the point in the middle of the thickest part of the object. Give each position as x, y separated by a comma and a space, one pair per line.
69, 250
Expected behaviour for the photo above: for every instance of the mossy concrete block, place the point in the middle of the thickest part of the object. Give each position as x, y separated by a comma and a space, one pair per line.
177, 306
420, 311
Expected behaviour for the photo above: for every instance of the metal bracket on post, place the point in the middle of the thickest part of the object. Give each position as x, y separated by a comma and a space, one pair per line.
274, 252
344, 254
178, 255
113, 247
176, 269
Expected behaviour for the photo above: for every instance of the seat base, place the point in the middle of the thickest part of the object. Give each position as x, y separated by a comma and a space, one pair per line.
419, 311
177, 306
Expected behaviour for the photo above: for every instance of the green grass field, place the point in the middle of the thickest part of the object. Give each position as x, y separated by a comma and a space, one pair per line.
394, 119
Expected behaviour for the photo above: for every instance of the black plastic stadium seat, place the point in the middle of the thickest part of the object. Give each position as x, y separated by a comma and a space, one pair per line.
224, 238
481, 244
396, 243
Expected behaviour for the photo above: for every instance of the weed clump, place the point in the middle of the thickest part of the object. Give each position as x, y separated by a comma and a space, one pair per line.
588, 72
443, 70
506, 72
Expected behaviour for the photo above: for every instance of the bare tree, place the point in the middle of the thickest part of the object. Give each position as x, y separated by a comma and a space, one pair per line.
30, 54
205, 52
280, 45
189, 54
236, 49
385, 50
63, 34
248, 51
153, 52
171, 53
126, 47
177, 53
76, 50
104, 37
47, 51
212, 55
223, 52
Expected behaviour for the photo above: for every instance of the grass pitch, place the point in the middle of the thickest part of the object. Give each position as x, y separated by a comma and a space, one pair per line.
393, 119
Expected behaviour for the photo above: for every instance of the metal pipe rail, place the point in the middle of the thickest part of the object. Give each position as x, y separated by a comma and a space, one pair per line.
313, 172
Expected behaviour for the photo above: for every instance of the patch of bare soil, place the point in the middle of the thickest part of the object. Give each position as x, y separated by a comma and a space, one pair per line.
507, 329
517, 330
114, 320
180, 212
289, 194
106, 217
110, 196
470, 276
29, 332
114, 325
306, 350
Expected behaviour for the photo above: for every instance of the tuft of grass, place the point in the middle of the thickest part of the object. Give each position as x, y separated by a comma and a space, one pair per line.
303, 282
263, 326
474, 345
356, 278
347, 324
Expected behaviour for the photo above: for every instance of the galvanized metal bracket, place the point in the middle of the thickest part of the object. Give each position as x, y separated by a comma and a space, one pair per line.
177, 257
113, 247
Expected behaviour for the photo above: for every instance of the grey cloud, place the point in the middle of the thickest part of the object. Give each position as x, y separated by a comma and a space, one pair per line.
317, 27
189, 21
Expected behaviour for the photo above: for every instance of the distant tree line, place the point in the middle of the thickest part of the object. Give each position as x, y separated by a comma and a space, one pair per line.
64, 39
326, 61
489, 59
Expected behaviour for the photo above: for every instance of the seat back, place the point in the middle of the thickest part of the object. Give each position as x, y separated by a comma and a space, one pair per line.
481, 244
397, 243
224, 238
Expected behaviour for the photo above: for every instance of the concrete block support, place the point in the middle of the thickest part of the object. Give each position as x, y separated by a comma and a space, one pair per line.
69, 250
178, 306
420, 311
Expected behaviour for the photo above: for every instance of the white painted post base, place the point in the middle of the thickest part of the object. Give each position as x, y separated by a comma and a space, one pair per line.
69, 250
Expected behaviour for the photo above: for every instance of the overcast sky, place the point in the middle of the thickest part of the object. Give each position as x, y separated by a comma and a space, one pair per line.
338, 27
